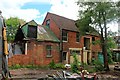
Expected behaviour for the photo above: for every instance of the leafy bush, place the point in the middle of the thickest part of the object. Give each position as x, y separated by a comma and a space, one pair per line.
60, 66
52, 64
16, 66
75, 64
98, 65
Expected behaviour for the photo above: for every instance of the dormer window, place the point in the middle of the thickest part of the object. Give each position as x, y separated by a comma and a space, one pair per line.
48, 22
32, 31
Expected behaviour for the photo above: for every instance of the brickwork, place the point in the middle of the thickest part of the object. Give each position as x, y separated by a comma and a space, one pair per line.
71, 43
53, 26
36, 54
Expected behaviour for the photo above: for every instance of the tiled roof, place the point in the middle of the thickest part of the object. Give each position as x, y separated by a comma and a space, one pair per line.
45, 34
64, 23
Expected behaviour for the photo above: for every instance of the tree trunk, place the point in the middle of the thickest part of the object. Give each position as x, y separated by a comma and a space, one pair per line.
104, 41
105, 44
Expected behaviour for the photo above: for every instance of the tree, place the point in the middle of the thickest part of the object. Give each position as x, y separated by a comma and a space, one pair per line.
12, 25
97, 15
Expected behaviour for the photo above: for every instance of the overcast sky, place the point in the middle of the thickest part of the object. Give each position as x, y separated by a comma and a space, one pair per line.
37, 9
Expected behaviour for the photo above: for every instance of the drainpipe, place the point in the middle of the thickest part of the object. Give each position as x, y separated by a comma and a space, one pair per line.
61, 46
26, 48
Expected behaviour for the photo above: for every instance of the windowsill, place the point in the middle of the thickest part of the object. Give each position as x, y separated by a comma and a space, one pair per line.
77, 42
65, 41
48, 56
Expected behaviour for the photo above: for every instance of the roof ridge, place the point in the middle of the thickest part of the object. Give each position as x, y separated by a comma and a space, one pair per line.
60, 16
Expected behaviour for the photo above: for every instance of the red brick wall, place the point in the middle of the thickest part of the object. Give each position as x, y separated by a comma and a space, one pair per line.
53, 26
36, 54
71, 43
96, 48
71, 37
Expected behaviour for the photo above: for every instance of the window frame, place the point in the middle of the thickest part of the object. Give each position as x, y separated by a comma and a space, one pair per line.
78, 52
48, 24
48, 50
64, 36
30, 31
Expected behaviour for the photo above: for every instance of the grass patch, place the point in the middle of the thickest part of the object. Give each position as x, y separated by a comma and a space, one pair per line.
54, 65
17, 66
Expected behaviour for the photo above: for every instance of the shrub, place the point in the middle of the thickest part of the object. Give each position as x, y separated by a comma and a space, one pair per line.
16, 66
52, 64
98, 65
60, 66
75, 64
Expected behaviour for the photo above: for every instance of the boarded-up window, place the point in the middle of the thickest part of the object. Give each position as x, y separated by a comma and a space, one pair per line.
32, 31
49, 49
64, 35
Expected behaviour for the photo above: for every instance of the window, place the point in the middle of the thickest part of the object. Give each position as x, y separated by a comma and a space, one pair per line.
64, 55
64, 35
32, 31
93, 38
87, 43
75, 51
77, 37
48, 22
48, 49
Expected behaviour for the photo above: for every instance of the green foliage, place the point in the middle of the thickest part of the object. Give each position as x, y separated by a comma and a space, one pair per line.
98, 15
54, 65
75, 65
96, 42
98, 65
18, 66
60, 66
110, 45
12, 25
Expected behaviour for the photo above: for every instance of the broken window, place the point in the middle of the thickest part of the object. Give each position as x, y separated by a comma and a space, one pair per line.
64, 35
75, 51
64, 55
87, 43
93, 38
49, 49
32, 31
77, 37
48, 22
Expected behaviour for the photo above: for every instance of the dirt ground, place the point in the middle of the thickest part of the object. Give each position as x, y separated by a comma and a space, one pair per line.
34, 74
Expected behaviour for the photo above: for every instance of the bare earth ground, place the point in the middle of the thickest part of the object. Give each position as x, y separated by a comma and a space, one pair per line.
34, 74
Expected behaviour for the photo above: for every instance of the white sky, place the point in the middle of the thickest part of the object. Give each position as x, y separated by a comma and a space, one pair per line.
66, 8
